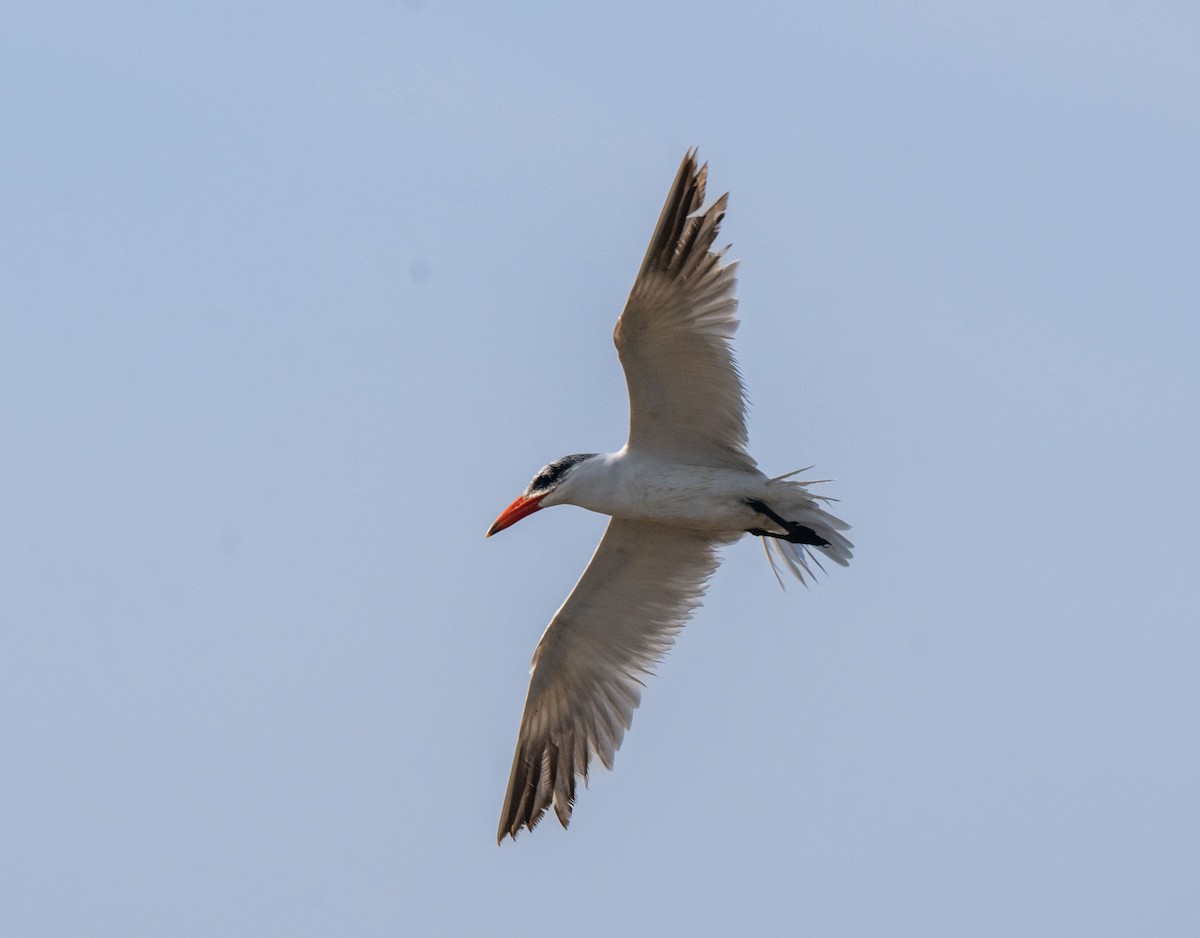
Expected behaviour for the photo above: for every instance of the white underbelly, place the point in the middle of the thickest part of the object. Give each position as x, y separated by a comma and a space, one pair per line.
704, 498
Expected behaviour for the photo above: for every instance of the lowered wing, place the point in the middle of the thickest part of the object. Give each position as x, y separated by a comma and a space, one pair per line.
641, 586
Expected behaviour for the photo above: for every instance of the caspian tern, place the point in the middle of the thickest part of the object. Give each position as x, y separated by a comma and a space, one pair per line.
681, 487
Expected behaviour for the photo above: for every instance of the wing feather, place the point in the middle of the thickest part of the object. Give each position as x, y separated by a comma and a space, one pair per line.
641, 586
674, 337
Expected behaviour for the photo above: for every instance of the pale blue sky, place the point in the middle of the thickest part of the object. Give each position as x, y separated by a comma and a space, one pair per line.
298, 296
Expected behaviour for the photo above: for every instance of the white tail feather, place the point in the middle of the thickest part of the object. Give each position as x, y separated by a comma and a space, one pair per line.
793, 501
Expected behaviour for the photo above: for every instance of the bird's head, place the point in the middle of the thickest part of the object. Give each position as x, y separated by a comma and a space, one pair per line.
551, 486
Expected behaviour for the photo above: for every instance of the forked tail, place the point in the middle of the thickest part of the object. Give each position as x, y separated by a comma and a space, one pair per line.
803, 530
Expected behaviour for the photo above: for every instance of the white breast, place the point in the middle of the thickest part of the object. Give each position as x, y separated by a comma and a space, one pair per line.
643, 487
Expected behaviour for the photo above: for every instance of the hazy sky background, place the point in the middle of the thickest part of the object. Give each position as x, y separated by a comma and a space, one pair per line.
297, 297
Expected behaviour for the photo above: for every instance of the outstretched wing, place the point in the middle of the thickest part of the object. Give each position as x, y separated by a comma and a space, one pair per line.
675, 334
642, 584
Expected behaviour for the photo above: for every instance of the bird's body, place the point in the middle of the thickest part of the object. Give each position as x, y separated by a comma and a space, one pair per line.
681, 487
641, 486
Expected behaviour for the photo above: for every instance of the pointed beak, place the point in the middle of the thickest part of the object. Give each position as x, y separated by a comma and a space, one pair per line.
515, 512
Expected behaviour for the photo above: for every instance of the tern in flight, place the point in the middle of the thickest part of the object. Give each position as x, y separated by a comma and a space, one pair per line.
682, 487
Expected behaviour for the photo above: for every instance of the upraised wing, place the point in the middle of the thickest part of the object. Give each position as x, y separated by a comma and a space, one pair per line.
642, 585
675, 334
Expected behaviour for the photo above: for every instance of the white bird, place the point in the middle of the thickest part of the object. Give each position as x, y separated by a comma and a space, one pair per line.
681, 487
